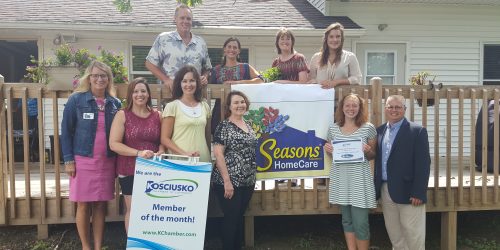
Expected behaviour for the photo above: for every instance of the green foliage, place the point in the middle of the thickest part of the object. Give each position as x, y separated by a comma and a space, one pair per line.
479, 243
82, 58
115, 61
271, 74
38, 71
64, 55
41, 245
421, 78
79, 58
125, 6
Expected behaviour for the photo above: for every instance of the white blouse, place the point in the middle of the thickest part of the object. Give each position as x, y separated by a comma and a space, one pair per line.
347, 68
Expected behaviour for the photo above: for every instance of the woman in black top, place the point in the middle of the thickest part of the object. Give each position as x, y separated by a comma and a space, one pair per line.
234, 178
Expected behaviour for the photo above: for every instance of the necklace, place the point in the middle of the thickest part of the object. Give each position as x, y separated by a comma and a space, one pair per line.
100, 107
100, 104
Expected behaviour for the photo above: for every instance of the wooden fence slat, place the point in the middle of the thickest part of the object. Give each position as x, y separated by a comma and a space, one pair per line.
56, 153
26, 143
460, 190
436, 142
12, 170
449, 194
484, 151
472, 169
41, 156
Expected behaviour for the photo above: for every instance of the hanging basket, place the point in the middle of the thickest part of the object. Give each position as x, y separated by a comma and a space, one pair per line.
430, 102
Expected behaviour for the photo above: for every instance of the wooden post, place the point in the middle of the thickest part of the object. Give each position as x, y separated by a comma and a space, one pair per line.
249, 231
449, 230
42, 231
376, 116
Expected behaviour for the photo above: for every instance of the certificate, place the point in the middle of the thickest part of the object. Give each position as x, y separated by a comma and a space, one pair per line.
348, 151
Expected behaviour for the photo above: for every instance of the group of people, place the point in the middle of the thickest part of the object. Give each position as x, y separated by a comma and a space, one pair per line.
101, 139
400, 149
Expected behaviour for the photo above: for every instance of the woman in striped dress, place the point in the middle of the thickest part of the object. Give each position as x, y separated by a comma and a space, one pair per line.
351, 184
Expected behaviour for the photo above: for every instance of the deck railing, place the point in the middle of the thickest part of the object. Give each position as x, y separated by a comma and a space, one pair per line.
34, 190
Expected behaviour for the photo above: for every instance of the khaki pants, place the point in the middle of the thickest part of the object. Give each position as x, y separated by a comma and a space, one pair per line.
405, 223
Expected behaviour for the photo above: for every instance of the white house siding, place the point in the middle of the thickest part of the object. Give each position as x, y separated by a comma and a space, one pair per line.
445, 40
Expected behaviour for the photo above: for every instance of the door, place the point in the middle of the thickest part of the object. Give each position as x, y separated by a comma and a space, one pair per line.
385, 60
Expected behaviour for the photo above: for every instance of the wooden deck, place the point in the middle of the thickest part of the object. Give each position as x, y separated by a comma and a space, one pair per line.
37, 193
468, 178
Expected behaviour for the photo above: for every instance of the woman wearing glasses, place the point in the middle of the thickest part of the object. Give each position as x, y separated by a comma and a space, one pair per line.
88, 159
351, 184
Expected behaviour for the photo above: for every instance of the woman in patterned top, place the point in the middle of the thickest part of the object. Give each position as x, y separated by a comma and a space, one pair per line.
231, 71
234, 176
135, 132
351, 184
292, 65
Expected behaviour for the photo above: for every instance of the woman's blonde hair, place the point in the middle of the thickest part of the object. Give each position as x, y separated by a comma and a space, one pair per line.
84, 84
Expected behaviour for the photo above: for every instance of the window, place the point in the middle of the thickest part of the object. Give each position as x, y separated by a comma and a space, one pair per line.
491, 64
381, 64
140, 52
138, 69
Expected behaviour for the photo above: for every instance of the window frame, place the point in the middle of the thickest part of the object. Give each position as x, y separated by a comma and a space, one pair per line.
482, 69
395, 64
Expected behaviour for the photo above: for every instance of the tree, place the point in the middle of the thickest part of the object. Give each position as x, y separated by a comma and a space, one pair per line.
126, 5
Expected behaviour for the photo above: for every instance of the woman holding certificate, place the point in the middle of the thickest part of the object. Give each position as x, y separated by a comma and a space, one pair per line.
352, 143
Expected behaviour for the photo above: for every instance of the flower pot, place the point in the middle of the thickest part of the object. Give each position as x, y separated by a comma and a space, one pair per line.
61, 77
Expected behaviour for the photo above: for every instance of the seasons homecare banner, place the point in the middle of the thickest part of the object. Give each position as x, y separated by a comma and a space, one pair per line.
169, 205
291, 122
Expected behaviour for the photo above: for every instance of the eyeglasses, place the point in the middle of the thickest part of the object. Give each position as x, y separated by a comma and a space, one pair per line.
96, 76
397, 108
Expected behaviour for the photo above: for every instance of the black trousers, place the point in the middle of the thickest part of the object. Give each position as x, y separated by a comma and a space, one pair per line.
233, 209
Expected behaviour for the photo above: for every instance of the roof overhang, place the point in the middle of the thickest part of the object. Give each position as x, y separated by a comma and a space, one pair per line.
212, 30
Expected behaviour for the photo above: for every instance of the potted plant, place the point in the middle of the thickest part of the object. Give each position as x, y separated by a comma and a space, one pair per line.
271, 74
63, 71
421, 78
70, 64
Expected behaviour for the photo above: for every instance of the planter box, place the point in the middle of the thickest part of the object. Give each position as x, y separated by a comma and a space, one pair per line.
61, 78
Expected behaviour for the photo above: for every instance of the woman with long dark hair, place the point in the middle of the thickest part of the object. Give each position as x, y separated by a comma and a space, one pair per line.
334, 66
184, 129
231, 71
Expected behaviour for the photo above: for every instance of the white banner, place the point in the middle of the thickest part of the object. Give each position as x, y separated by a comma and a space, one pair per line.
291, 122
169, 205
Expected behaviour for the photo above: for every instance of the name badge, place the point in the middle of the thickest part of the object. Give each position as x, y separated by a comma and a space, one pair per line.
88, 116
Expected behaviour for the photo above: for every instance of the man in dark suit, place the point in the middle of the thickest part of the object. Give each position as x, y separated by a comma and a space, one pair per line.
402, 168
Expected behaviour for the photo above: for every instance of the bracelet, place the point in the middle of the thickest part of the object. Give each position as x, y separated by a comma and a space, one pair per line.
69, 162
138, 151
